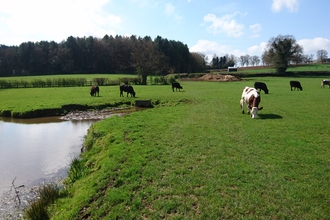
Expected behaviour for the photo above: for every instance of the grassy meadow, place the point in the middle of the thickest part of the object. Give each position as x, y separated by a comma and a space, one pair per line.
311, 68
195, 156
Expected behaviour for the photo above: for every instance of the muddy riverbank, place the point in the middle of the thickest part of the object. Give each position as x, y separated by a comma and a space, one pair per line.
99, 114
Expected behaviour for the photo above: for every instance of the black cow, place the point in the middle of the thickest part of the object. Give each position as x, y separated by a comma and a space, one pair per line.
94, 90
261, 86
177, 86
128, 89
295, 85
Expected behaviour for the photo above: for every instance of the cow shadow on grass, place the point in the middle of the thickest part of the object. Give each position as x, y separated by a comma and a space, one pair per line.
269, 116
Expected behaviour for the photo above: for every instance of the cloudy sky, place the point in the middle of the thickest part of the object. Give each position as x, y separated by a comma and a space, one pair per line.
211, 27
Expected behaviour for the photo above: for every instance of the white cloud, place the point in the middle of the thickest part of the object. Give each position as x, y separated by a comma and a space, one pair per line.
255, 29
57, 19
209, 48
257, 49
311, 46
291, 5
171, 11
224, 24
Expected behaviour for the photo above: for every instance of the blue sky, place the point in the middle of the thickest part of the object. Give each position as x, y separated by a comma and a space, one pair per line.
208, 26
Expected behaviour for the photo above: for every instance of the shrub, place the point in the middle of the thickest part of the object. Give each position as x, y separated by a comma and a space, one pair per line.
100, 81
170, 78
135, 80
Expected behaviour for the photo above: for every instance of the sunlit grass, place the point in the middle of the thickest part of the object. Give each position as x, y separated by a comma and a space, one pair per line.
200, 158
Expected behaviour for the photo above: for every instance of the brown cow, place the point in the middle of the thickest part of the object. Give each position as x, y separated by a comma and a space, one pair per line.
251, 97
94, 90
128, 89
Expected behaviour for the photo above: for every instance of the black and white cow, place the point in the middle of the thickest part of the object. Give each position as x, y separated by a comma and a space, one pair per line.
325, 82
261, 86
126, 88
177, 86
251, 97
295, 85
94, 90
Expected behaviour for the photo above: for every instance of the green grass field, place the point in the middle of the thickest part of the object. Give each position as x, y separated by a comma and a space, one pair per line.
195, 156
314, 67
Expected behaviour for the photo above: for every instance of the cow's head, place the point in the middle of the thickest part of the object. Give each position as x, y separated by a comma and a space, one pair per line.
255, 103
254, 112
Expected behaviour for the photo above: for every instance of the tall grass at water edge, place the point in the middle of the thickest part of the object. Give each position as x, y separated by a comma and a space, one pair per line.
200, 158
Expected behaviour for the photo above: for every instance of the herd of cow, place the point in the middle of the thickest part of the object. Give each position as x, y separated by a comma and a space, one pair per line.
250, 95
129, 89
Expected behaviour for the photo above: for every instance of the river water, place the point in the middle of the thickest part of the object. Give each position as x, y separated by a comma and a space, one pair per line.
33, 151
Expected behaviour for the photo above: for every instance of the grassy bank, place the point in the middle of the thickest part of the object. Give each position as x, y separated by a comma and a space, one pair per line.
33, 102
197, 157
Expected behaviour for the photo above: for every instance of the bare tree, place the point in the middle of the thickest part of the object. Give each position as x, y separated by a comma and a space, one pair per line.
254, 60
242, 60
247, 59
321, 55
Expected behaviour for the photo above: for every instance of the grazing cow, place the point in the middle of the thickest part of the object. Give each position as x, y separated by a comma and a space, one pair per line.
325, 82
295, 85
94, 90
177, 86
128, 89
251, 97
261, 86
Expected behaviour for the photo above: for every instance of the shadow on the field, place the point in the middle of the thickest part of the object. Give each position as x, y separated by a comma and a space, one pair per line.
269, 116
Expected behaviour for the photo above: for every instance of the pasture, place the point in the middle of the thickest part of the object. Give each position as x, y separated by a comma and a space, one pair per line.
195, 156
309, 68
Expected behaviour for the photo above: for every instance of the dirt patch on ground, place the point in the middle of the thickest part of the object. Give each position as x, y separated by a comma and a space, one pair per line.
219, 78
216, 78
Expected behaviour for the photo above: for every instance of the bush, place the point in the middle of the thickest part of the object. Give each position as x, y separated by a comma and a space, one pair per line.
100, 81
170, 78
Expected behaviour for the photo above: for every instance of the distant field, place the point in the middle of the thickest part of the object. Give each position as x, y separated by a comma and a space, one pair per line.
300, 68
25, 100
88, 77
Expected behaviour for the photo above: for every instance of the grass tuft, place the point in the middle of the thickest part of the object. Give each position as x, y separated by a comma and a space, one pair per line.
38, 208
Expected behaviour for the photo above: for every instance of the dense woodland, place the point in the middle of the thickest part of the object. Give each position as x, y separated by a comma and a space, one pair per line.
110, 54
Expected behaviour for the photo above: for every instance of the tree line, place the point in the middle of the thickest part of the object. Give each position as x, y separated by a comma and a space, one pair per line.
142, 56
107, 55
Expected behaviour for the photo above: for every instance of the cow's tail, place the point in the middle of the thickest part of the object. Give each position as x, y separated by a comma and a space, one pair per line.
241, 103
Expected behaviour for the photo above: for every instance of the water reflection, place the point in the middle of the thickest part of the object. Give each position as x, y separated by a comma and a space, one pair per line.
34, 149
